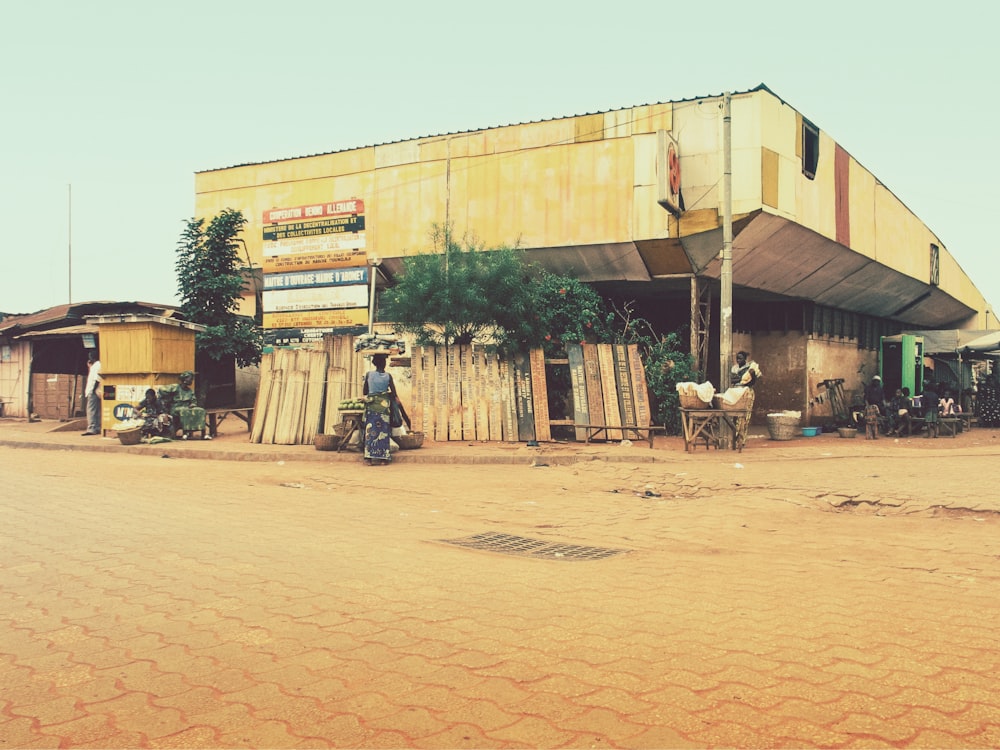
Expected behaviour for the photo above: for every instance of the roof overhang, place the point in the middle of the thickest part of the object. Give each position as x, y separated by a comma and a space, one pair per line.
778, 256
773, 259
66, 331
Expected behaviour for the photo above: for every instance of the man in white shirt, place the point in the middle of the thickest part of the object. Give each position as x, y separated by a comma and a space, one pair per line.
92, 393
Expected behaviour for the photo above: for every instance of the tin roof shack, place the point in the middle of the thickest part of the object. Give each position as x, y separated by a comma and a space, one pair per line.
43, 357
139, 352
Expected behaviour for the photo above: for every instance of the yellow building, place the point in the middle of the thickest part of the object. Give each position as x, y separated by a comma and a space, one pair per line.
825, 259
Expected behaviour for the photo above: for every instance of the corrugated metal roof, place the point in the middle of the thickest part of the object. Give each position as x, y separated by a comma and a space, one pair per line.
75, 312
75, 330
759, 87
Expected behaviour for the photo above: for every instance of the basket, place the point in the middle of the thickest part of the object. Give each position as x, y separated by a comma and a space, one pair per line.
783, 426
409, 441
743, 402
326, 442
130, 437
693, 401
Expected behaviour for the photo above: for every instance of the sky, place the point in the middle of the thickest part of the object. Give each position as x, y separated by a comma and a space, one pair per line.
109, 108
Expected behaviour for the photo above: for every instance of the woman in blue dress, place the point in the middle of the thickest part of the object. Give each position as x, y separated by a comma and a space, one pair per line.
380, 391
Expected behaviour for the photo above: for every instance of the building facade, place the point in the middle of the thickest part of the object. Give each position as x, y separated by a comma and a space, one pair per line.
825, 259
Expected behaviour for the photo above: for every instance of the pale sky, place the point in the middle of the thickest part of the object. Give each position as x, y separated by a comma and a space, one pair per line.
125, 101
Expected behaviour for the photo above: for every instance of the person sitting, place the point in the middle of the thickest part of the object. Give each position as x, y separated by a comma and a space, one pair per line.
181, 402
947, 405
899, 412
156, 423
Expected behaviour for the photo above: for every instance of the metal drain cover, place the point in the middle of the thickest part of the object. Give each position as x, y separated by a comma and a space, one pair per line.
522, 546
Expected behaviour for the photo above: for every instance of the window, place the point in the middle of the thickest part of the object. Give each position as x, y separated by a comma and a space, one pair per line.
810, 149
935, 265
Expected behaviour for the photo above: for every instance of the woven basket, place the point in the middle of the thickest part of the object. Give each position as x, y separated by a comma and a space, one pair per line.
741, 403
409, 441
782, 427
130, 437
326, 442
692, 401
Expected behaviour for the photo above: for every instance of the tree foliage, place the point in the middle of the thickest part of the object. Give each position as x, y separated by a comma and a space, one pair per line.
467, 293
463, 294
210, 285
565, 311
667, 365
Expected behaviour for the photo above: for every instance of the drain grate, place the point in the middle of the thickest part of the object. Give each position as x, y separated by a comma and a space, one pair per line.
509, 544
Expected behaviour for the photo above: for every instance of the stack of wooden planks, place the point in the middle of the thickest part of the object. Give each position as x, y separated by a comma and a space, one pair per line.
456, 393
290, 397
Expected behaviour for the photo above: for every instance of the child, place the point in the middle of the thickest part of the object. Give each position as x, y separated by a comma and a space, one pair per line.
874, 401
947, 405
930, 401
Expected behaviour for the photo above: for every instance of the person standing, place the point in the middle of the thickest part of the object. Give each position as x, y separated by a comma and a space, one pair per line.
380, 390
92, 392
932, 406
745, 372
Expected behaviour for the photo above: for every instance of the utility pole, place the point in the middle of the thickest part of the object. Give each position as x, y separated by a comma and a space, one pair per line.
726, 273
69, 244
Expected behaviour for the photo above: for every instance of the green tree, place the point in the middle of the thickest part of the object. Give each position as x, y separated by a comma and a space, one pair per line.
667, 364
468, 293
464, 294
210, 285
564, 311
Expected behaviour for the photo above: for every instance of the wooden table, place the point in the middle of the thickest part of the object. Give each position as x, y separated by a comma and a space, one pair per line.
353, 420
594, 431
217, 414
717, 427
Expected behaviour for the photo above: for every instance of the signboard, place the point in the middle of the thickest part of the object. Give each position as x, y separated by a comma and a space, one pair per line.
316, 298
324, 243
357, 316
578, 379
310, 261
324, 277
314, 211
668, 173
336, 225
524, 401
316, 272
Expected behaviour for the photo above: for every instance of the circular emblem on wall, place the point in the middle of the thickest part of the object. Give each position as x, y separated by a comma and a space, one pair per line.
673, 170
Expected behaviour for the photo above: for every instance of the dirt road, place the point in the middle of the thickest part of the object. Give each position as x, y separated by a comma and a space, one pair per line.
719, 599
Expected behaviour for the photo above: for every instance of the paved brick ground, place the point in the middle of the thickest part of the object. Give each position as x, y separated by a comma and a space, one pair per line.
822, 593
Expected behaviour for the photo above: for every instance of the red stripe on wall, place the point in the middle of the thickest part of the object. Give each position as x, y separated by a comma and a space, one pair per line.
842, 195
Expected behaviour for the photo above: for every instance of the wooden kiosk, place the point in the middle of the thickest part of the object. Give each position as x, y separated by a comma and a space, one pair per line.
139, 352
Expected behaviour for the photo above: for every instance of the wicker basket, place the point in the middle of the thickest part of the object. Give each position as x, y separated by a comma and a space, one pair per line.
741, 403
326, 442
410, 441
693, 401
783, 426
130, 437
